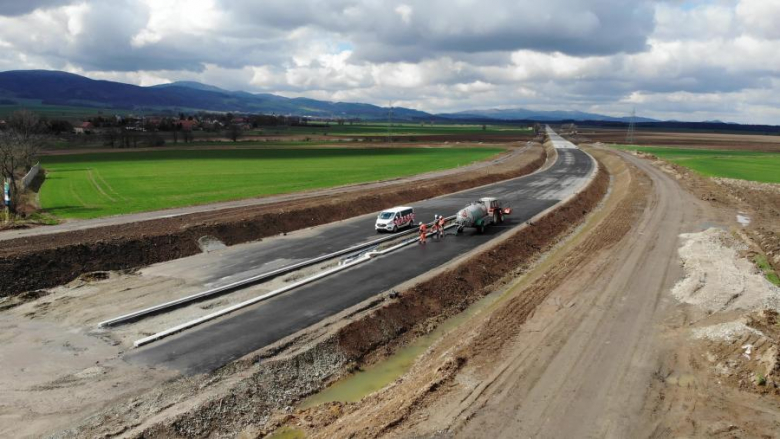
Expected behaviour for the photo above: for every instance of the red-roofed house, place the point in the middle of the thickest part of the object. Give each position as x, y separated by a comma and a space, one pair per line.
83, 128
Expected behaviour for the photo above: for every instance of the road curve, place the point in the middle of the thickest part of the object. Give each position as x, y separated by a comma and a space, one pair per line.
210, 346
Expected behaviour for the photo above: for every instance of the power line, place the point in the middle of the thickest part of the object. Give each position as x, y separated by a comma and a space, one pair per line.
389, 120
631, 127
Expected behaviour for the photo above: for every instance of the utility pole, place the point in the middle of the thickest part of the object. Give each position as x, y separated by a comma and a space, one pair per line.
6, 199
389, 121
630, 133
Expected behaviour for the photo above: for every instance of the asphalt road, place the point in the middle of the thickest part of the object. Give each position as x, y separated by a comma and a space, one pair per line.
210, 346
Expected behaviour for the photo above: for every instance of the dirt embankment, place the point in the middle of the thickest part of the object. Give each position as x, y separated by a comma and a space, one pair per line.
44, 261
262, 387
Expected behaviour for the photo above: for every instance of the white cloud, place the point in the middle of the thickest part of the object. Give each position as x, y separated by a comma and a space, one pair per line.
405, 12
760, 17
707, 58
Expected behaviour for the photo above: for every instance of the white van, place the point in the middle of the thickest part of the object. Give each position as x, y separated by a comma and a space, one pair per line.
391, 220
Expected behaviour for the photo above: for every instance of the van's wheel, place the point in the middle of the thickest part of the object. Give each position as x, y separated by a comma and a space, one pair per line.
395, 229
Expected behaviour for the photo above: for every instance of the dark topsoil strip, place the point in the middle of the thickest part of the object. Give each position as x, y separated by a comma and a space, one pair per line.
49, 260
280, 383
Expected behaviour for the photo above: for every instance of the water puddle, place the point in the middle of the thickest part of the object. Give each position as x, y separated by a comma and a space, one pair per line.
704, 225
287, 433
743, 219
375, 377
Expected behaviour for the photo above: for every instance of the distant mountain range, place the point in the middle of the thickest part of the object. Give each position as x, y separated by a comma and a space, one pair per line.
45, 87
61, 88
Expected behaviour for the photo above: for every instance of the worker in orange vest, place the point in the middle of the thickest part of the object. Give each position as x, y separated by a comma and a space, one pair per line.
440, 226
423, 232
435, 226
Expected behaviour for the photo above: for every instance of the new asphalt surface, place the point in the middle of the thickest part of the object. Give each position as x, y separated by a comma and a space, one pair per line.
207, 347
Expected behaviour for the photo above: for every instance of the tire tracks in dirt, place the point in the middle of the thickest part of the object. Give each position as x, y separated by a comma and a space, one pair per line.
586, 371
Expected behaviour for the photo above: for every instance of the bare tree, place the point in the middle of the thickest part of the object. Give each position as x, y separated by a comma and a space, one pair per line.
19, 148
112, 135
234, 132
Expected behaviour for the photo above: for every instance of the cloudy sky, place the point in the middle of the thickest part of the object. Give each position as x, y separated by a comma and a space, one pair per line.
671, 59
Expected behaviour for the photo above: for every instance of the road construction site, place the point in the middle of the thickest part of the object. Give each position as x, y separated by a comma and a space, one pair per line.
649, 321
586, 296
94, 298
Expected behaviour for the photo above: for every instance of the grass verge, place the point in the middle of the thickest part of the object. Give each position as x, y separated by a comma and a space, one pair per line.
743, 165
766, 268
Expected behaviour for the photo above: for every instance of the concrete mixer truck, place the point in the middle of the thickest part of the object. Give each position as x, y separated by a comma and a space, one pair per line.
481, 214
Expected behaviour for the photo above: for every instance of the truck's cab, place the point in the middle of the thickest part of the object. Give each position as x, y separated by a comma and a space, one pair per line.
491, 203
391, 220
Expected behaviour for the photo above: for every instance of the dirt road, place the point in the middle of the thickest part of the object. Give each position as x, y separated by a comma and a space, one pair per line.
583, 369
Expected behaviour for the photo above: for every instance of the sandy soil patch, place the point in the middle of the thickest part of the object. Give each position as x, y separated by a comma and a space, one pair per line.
718, 279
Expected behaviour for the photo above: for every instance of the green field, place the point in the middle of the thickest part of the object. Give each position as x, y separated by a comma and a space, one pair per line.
743, 165
101, 184
379, 129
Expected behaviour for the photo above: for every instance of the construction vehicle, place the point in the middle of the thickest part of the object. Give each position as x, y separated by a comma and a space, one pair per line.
481, 214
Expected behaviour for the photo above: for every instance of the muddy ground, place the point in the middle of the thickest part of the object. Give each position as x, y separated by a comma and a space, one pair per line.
38, 262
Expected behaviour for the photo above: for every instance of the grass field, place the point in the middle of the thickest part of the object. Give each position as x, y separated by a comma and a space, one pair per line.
743, 165
101, 184
379, 129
